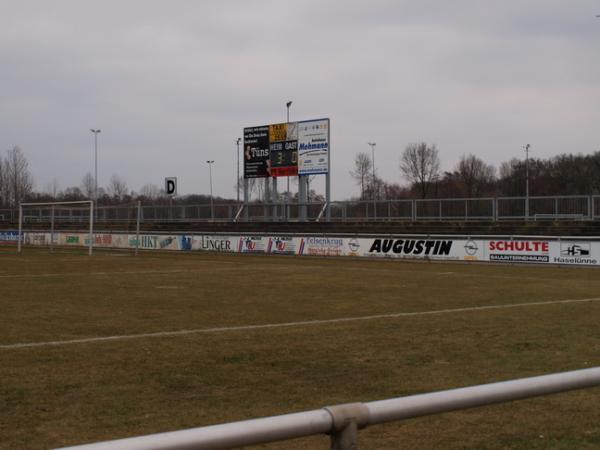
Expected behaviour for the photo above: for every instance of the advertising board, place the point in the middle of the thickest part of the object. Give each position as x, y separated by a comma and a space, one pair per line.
251, 244
321, 246
256, 152
9, 237
313, 147
531, 251
212, 243
576, 252
282, 245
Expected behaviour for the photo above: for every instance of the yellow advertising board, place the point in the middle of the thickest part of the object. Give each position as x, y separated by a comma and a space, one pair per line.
278, 132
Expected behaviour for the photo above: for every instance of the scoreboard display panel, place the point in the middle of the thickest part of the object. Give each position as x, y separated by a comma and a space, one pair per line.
284, 158
286, 149
283, 149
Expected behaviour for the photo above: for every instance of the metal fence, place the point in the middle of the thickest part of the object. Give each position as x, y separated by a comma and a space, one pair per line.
342, 422
582, 207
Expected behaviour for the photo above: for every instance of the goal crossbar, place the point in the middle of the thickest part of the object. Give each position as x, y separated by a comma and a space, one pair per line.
52, 205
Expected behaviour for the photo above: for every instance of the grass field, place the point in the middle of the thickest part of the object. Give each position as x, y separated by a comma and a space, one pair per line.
68, 387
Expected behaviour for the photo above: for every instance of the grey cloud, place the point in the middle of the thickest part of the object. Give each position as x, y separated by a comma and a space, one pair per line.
173, 83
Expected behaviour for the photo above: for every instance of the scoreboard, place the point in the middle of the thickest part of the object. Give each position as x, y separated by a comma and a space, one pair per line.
272, 150
284, 159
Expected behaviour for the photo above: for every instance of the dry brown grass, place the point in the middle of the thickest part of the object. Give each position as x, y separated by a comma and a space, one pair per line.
68, 394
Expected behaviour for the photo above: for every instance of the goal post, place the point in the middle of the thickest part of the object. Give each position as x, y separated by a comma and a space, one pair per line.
52, 206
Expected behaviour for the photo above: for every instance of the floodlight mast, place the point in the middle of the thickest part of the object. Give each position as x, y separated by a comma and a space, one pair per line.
238, 169
96, 131
372, 145
526, 147
287, 213
212, 209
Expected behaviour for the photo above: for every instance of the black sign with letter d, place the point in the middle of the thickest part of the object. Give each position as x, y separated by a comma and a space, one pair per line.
171, 186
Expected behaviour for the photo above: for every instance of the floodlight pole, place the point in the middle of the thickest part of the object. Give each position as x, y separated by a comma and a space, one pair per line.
19, 237
137, 227
372, 144
96, 131
526, 147
287, 207
238, 169
52, 229
212, 208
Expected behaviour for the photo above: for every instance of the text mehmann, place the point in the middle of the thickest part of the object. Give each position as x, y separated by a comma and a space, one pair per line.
411, 247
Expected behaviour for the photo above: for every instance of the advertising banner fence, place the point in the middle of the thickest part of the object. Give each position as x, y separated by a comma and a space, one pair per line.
530, 250
9, 237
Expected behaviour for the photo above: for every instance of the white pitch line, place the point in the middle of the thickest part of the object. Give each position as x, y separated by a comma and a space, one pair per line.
291, 324
236, 263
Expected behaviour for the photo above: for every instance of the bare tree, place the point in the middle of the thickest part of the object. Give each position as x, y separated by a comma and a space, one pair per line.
420, 165
474, 174
53, 188
3, 182
88, 185
361, 171
150, 191
117, 187
18, 179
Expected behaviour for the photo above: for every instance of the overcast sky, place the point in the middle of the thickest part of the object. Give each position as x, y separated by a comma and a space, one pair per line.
173, 83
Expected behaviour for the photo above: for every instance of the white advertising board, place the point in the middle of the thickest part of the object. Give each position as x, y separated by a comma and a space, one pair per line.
580, 252
313, 147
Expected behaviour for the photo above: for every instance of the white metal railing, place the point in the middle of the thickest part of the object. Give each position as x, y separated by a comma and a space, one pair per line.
582, 207
342, 422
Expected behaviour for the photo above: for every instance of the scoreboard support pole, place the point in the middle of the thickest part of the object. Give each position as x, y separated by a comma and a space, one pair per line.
302, 198
328, 179
274, 199
328, 197
246, 200
266, 198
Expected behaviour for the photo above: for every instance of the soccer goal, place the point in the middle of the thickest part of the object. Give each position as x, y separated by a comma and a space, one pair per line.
56, 223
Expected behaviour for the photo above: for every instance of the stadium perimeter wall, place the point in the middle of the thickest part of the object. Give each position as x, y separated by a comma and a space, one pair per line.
581, 251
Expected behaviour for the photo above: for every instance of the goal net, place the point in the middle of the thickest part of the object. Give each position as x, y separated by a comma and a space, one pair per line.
56, 224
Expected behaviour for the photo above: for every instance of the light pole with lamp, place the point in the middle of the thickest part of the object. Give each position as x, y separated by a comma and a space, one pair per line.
287, 213
372, 144
238, 169
96, 131
212, 208
526, 147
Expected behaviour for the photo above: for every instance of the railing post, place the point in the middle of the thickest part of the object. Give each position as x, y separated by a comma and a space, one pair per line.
346, 438
52, 229
347, 420
137, 227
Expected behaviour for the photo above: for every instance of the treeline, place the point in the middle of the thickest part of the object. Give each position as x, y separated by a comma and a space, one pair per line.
419, 166
16, 182
17, 186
